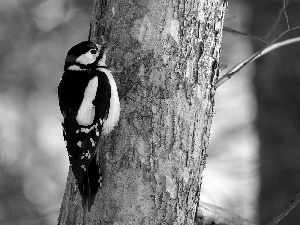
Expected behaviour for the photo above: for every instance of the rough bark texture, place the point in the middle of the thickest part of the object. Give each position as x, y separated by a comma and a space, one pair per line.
277, 84
166, 62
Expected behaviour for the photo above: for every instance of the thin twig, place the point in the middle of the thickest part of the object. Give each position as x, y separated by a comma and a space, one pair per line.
286, 16
229, 18
212, 214
228, 29
277, 21
285, 211
270, 47
258, 54
12, 188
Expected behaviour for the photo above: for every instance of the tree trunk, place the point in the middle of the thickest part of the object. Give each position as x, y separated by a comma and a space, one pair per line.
166, 63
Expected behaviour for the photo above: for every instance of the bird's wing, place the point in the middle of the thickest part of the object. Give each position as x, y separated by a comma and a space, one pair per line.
86, 112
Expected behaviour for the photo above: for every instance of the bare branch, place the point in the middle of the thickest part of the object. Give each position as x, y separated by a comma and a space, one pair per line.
211, 214
285, 211
229, 18
270, 47
282, 10
286, 16
228, 29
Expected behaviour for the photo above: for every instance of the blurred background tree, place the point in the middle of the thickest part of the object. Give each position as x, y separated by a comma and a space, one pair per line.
277, 82
35, 37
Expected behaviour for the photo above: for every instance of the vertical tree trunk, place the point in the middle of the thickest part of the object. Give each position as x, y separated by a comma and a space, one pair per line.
166, 61
277, 90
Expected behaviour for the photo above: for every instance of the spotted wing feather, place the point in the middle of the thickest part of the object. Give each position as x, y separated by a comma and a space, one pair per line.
82, 140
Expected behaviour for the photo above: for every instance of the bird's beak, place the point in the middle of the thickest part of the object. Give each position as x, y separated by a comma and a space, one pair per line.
99, 47
105, 48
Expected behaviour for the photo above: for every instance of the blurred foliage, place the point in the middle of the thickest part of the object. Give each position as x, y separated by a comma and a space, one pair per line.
35, 36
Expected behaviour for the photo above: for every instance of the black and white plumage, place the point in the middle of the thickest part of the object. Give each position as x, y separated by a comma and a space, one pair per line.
89, 103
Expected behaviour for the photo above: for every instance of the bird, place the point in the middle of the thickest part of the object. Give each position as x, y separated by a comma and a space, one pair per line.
89, 103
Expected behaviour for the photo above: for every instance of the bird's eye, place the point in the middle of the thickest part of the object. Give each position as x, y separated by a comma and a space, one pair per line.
93, 51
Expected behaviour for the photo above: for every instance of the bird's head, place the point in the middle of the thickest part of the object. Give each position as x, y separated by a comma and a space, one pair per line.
86, 55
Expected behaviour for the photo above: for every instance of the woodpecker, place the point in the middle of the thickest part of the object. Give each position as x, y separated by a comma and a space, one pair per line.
89, 103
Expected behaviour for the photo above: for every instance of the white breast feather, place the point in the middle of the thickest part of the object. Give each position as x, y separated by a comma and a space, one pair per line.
75, 68
114, 107
86, 112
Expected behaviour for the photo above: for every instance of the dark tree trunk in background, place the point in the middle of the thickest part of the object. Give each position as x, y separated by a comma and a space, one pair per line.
166, 62
277, 87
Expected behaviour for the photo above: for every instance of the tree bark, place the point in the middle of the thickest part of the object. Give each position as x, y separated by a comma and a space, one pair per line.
166, 63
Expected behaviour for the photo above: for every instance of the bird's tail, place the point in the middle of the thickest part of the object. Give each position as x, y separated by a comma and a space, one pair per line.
90, 184
81, 146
